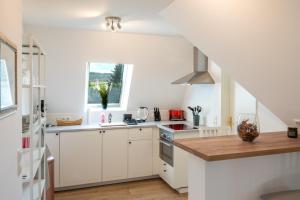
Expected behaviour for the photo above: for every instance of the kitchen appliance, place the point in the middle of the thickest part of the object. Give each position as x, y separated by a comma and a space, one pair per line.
200, 75
166, 138
157, 116
142, 114
166, 148
180, 127
176, 115
127, 118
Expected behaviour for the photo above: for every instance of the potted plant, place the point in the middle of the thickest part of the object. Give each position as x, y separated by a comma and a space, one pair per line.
103, 88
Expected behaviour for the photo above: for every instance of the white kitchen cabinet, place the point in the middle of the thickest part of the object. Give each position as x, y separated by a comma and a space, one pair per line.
140, 158
156, 158
80, 157
140, 152
115, 154
140, 134
52, 141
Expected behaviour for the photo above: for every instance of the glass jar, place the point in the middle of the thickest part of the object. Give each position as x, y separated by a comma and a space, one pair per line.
248, 127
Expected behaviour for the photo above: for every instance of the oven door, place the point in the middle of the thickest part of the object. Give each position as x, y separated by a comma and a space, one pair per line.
166, 151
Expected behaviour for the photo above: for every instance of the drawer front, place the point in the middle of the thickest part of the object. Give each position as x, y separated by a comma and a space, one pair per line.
140, 134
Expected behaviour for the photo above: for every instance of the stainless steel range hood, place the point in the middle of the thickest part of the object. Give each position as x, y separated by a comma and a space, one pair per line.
200, 74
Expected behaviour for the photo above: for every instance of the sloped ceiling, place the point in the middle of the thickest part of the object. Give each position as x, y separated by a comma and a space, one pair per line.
137, 16
257, 42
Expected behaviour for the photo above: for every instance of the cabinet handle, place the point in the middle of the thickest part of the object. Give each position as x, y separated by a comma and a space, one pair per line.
56, 134
129, 142
103, 131
165, 164
165, 170
100, 131
141, 129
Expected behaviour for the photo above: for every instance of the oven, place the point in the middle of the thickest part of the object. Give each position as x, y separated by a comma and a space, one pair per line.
166, 148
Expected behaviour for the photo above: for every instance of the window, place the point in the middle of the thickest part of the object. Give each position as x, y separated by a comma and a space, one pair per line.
118, 76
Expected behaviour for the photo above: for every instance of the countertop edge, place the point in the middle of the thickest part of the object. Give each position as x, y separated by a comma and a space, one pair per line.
231, 156
152, 124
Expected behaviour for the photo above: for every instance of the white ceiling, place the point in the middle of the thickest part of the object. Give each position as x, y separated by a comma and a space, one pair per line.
138, 16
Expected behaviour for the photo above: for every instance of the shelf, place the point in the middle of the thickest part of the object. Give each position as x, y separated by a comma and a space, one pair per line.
43, 120
37, 192
39, 86
34, 86
25, 163
36, 127
25, 86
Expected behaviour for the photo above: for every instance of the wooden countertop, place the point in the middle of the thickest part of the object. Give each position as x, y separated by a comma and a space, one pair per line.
232, 147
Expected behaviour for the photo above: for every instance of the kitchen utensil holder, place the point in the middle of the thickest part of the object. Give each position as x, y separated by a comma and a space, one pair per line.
196, 119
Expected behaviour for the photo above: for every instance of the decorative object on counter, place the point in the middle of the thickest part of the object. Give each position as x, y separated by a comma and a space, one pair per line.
157, 116
292, 132
176, 115
8, 76
196, 114
109, 117
63, 122
248, 127
103, 88
142, 114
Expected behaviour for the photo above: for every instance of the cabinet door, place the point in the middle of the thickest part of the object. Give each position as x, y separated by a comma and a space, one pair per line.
52, 141
80, 157
115, 154
140, 158
156, 158
140, 134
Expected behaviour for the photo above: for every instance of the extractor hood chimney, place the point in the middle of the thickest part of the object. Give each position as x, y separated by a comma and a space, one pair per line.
200, 74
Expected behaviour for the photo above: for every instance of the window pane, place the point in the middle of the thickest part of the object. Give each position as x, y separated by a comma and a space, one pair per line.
108, 73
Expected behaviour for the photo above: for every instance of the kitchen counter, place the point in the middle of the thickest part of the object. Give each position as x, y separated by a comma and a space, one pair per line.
228, 168
160, 124
232, 147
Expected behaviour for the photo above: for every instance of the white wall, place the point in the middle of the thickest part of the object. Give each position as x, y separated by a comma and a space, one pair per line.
10, 127
157, 62
255, 42
244, 102
206, 96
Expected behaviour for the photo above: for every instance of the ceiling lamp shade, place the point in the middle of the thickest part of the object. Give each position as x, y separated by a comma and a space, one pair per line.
113, 23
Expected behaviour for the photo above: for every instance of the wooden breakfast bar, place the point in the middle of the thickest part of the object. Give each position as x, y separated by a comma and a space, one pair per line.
229, 169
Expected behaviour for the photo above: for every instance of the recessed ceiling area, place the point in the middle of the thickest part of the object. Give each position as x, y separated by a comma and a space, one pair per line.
138, 16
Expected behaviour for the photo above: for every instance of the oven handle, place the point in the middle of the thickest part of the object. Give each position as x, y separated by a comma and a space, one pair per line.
165, 143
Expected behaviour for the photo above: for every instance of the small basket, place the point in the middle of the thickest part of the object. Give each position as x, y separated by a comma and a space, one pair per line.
62, 122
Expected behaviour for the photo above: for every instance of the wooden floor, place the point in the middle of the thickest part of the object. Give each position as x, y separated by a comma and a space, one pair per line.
154, 189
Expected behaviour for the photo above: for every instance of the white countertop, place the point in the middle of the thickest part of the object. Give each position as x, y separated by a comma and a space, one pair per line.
160, 124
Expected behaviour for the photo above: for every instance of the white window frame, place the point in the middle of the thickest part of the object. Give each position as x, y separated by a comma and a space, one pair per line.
126, 83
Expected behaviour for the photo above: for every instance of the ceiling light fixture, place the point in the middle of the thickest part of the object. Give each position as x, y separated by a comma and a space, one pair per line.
113, 23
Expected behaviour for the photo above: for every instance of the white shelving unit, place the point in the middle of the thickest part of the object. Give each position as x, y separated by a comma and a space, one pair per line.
33, 158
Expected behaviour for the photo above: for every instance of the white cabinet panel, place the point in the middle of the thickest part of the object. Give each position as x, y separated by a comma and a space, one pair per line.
140, 134
52, 141
80, 157
140, 158
115, 155
156, 159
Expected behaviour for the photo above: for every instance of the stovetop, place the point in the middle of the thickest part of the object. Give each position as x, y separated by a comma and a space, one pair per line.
180, 127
